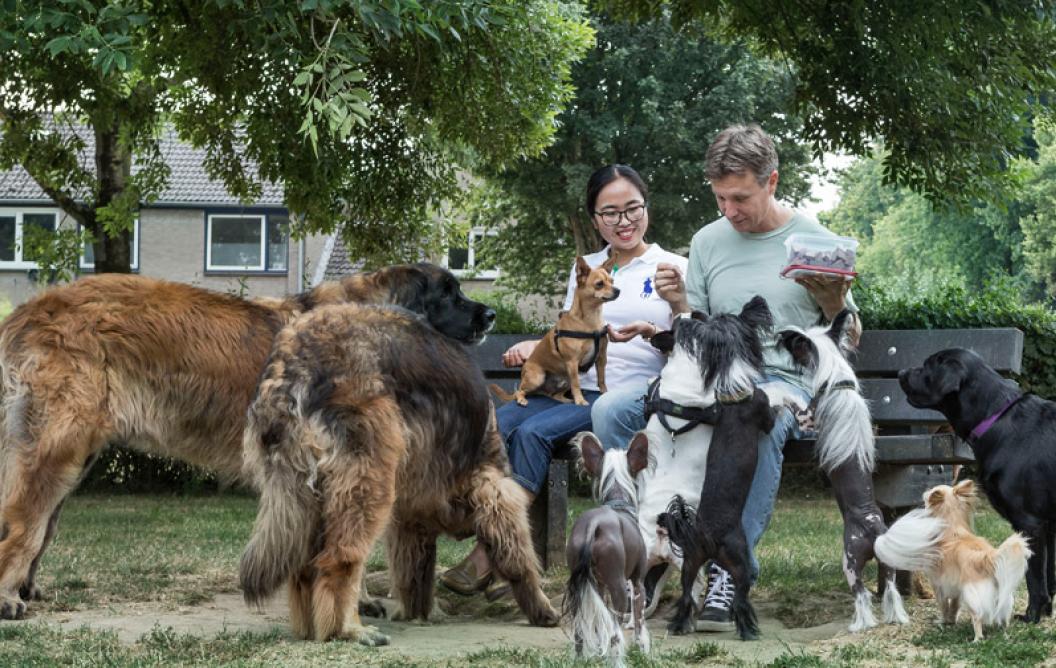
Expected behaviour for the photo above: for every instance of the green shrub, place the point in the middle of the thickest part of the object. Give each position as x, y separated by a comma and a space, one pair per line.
123, 470
508, 317
950, 306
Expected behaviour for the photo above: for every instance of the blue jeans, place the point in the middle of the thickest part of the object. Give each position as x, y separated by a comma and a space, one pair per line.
531, 432
618, 415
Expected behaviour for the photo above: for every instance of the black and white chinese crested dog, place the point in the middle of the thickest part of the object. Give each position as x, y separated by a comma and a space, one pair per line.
846, 453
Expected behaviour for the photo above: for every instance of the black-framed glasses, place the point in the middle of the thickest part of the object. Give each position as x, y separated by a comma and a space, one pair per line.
612, 218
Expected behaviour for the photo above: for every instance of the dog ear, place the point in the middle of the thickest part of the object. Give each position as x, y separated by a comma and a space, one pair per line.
582, 270
757, 314
638, 453
965, 489
799, 346
590, 451
699, 315
934, 497
951, 374
840, 330
609, 264
663, 341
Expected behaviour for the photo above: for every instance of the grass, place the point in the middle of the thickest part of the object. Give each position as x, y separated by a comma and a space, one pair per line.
176, 551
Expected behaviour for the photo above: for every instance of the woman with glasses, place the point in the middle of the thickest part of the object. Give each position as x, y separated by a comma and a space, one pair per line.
616, 201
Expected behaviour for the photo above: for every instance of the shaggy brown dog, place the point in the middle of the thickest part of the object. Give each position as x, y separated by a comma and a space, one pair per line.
366, 420
162, 367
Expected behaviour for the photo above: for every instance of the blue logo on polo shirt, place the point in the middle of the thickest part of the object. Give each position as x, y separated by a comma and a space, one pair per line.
647, 288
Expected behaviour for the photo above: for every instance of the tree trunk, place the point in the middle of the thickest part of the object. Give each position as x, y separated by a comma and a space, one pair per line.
113, 163
584, 235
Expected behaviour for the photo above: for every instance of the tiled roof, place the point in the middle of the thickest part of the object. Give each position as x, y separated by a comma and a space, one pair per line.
339, 264
188, 183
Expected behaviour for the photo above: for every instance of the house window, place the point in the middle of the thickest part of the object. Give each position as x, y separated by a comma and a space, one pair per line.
13, 225
247, 243
469, 260
88, 258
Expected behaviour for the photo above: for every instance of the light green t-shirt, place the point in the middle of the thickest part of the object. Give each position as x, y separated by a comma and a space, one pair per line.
727, 268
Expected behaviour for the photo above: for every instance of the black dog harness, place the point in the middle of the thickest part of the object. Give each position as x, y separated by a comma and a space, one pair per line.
838, 385
570, 334
694, 415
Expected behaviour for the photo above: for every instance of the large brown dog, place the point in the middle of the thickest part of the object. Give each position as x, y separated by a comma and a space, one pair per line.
364, 420
162, 367
577, 342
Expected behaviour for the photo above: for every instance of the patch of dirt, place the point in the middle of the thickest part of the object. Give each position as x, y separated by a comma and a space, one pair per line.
460, 625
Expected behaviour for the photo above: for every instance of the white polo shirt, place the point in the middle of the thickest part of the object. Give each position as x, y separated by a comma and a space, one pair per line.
635, 361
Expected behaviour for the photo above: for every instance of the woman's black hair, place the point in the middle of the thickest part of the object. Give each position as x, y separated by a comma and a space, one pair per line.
606, 175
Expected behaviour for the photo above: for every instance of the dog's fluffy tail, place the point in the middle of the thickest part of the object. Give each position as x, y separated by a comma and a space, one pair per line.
277, 451
500, 393
596, 629
912, 542
1010, 565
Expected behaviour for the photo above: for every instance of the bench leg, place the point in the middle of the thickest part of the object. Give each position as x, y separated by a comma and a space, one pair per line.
549, 516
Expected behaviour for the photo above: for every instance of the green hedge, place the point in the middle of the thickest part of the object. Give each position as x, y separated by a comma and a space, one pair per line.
123, 470
955, 307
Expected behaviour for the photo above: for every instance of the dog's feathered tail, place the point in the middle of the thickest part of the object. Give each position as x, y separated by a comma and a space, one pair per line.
912, 542
1010, 565
595, 628
289, 515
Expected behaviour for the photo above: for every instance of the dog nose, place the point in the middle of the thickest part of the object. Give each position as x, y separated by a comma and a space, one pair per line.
615, 293
489, 315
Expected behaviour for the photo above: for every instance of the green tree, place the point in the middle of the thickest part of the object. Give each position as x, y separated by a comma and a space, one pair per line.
650, 97
947, 86
1039, 224
362, 108
909, 245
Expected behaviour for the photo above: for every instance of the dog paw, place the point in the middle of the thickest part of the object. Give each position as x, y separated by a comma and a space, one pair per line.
30, 592
366, 635
12, 607
372, 608
545, 617
682, 627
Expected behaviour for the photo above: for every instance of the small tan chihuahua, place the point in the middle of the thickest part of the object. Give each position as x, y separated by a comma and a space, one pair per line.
577, 342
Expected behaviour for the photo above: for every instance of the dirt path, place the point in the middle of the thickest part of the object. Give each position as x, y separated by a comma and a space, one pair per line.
447, 637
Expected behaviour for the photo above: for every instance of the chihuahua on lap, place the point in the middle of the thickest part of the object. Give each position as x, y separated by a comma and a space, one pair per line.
578, 342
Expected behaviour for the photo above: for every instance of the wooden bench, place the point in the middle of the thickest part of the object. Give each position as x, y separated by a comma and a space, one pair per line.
911, 453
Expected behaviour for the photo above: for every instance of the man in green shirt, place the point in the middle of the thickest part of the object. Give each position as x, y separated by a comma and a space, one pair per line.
731, 260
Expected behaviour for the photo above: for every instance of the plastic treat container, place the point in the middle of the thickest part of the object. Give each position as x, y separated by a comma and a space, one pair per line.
818, 255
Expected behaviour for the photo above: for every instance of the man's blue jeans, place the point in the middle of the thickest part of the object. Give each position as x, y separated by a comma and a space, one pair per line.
618, 415
532, 431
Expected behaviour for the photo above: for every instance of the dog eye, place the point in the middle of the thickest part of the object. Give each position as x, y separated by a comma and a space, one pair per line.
599, 284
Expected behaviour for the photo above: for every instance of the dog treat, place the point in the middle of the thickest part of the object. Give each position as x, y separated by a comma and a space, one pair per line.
820, 255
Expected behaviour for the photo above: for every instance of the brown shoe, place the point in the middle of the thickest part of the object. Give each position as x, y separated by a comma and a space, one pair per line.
497, 589
463, 578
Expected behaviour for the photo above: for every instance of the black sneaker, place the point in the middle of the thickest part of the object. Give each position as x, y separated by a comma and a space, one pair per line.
716, 613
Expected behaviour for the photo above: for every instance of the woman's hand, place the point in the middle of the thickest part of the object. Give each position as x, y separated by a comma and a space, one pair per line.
671, 287
518, 353
637, 328
830, 293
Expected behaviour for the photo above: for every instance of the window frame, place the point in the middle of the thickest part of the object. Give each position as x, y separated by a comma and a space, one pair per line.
18, 264
471, 272
89, 267
265, 217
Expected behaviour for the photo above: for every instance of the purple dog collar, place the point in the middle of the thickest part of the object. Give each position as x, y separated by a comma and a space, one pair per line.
985, 425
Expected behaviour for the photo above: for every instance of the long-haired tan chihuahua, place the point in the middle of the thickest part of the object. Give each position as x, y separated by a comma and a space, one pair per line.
964, 569
577, 342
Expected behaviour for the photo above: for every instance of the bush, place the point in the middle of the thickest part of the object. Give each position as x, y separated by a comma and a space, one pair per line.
950, 306
123, 470
508, 317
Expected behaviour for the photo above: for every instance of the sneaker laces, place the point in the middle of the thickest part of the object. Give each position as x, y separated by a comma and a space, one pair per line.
720, 593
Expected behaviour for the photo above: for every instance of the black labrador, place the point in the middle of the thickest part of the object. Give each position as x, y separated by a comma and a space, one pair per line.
1013, 436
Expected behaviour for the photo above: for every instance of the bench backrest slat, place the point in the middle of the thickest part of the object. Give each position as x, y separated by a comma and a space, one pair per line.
883, 352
